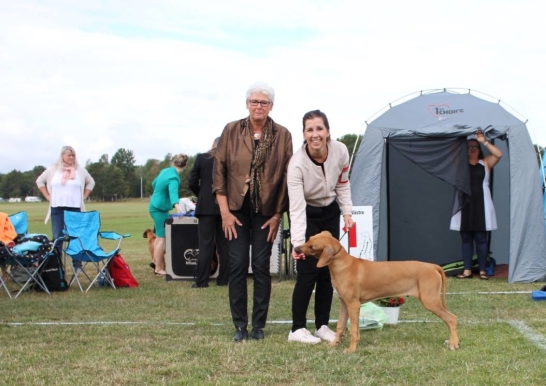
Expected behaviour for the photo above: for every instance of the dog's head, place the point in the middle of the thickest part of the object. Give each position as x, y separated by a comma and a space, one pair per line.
148, 234
323, 246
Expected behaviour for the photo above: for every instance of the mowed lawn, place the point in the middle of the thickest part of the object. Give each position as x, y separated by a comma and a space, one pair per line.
166, 333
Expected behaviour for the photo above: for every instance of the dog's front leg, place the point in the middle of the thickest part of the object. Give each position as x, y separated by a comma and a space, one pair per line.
354, 313
341, 322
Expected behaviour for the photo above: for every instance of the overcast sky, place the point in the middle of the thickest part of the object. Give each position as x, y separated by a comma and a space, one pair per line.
165, 76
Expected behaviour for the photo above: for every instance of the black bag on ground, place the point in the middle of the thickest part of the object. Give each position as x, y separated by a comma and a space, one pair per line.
52, 273
457, 267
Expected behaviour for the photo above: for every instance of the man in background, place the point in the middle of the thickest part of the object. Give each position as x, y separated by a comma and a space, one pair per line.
211, 235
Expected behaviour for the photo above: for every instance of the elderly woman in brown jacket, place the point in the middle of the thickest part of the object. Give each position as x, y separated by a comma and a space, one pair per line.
249, 181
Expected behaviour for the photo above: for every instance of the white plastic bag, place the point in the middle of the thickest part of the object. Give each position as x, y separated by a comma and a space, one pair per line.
371, 316
186, 206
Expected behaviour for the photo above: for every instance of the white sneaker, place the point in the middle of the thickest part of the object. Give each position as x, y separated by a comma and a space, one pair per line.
303, 336
326, 334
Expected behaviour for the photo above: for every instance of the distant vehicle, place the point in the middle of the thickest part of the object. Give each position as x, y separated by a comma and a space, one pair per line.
15, 199
32, 199
2, 200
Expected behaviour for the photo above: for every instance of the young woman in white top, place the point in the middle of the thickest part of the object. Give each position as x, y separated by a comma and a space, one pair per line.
319, 192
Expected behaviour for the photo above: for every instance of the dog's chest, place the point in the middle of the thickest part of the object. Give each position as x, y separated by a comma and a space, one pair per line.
335, 287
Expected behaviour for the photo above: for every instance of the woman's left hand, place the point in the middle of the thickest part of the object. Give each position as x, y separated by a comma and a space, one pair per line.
273, 224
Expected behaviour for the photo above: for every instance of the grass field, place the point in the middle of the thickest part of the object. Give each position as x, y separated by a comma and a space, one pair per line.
166, 333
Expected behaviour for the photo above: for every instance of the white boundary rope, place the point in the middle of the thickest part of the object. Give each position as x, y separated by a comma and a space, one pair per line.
522, 328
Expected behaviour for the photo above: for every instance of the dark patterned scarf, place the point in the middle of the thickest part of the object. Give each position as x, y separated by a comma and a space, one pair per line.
261, 152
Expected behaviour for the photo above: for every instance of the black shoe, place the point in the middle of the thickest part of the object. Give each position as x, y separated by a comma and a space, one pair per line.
257, 333
195, 285
240, 335
152, 265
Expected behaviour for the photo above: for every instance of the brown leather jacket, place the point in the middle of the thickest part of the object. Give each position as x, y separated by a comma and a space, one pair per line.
232, 161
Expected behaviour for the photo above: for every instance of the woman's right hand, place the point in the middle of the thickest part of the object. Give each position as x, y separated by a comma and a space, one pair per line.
45, 193
228, 225
298, 256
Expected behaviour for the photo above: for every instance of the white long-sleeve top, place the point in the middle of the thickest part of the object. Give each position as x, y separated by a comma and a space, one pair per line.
46, 179
311, 183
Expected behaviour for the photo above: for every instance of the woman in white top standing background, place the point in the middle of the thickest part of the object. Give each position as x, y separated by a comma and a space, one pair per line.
476, 216
65, 185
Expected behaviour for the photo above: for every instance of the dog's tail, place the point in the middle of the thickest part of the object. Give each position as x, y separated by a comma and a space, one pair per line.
444, 285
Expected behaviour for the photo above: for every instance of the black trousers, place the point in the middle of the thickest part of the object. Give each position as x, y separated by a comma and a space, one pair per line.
309, 276
211, 240
249, 235
222, 249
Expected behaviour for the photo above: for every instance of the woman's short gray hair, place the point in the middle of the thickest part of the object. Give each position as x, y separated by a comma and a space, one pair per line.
180, 160
262, 88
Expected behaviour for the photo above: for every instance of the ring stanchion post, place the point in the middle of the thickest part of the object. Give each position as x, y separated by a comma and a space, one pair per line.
286, 263
280, 251
290, 265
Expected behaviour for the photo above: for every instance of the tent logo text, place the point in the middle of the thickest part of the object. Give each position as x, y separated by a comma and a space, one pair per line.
440, 111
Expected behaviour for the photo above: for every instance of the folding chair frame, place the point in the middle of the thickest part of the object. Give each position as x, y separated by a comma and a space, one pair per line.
34, 276
23, 261
4, 276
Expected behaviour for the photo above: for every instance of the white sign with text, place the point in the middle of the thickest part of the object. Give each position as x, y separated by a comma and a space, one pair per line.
359, 240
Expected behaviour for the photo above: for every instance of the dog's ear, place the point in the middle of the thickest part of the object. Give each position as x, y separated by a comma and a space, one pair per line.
145, 234
326, 257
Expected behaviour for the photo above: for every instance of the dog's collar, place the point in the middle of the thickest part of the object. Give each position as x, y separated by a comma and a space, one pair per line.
339, 250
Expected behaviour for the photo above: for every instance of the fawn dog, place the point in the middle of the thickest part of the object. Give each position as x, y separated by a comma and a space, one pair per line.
150, 235
359, 281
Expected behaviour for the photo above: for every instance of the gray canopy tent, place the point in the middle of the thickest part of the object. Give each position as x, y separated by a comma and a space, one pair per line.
413, 160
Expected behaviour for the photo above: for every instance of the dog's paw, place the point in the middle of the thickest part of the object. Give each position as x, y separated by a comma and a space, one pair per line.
452, 347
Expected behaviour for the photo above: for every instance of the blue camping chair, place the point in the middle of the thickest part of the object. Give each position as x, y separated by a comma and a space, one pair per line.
27, 256
19, 221
83, 232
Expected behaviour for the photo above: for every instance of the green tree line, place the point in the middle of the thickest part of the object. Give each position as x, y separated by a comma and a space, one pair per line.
118, 177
